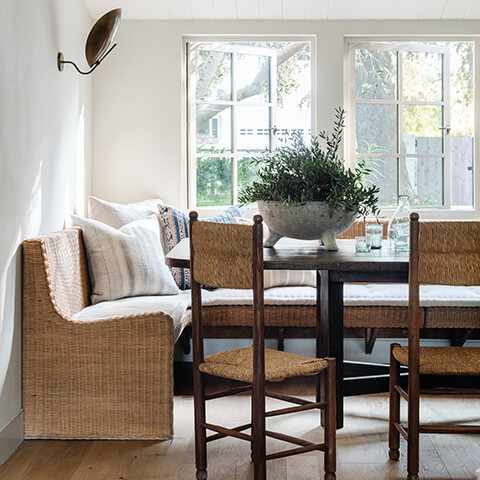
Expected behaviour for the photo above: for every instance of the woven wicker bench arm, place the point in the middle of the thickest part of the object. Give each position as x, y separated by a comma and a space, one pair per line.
109, 378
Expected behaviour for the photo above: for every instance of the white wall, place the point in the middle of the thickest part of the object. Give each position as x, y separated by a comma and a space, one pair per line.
45, 122
138, 122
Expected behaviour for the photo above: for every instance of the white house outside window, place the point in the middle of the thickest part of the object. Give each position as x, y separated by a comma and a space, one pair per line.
412, 119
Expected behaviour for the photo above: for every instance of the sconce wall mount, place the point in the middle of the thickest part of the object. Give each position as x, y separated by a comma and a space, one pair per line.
99, 42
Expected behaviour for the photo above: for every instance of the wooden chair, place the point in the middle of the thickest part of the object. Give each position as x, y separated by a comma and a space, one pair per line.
441, 253
231, 256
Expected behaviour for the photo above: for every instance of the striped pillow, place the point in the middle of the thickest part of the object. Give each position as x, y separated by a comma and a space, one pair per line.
127, 262
284, 278
175, 228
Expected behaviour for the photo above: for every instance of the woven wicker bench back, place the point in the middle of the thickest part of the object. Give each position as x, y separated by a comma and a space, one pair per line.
223, 255
449, 253
57, 262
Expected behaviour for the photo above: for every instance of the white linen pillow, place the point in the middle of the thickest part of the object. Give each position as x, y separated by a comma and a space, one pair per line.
127, 262
117, 215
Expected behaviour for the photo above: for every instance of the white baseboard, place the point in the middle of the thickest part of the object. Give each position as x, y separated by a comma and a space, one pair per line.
11, 436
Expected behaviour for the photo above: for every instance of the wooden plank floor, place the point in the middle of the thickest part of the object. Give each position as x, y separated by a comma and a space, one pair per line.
362, 447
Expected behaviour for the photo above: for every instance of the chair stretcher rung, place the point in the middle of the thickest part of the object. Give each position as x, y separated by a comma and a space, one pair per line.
402, 430
228, 432
226, 393
439, 428
300, 408
296, 451
288, 438
217, 436
402, 392
287, 398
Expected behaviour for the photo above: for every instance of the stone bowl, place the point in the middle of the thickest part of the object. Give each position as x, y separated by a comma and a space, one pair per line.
307, 221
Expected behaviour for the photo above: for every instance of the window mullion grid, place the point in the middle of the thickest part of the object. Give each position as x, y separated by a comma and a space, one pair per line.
272, 114
400, 164
447, 168
191, 133
234, 141
397, 102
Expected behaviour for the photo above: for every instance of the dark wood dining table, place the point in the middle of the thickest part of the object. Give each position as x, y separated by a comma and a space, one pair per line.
334, 268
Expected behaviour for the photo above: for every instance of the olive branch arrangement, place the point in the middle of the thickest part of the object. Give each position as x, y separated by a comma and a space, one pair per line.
300, 173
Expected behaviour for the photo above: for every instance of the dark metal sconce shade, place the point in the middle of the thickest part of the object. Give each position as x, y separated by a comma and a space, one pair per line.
99, 41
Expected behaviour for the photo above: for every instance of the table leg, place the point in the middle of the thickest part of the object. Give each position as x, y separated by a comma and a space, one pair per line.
330, 329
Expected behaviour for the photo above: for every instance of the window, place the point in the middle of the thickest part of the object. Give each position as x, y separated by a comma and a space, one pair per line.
413, 121
243, 98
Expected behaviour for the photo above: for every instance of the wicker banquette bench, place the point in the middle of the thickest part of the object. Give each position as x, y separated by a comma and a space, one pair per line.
110, 378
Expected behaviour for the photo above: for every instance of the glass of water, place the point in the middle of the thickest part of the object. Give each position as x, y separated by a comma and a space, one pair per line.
375, 232
363, 244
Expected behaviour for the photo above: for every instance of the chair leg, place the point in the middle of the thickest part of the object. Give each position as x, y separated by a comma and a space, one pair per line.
200, 431
252, 445
321, 388
394, 417
258, 431
413, 425
331, 421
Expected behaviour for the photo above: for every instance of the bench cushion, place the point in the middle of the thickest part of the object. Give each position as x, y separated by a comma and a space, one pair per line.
358, 296
389, 295
172, 305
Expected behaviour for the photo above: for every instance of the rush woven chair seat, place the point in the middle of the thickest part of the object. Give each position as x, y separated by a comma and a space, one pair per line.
238, 365
441, 253
443, 360
231, 256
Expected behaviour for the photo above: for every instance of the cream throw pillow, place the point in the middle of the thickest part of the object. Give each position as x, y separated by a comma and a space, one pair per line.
117, 215
127, 262
282, 278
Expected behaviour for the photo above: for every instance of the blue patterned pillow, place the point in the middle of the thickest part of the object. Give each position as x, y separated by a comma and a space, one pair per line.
175, 228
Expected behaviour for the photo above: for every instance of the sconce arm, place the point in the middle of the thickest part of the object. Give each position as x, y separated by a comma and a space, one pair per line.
61, 62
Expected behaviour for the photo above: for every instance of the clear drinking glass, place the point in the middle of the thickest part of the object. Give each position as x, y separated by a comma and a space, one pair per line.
374, 231
363, 244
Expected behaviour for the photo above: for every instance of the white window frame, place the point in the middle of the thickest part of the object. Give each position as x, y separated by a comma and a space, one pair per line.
188, 170
234, 104
444, 211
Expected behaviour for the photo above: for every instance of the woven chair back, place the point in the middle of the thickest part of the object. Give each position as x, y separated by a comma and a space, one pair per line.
223, 255
449, 253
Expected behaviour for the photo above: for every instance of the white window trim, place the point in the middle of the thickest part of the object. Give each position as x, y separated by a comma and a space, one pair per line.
349, 102
186, 167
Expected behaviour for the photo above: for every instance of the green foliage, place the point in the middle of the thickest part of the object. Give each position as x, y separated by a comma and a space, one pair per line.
300, 173
214, 181
214, 175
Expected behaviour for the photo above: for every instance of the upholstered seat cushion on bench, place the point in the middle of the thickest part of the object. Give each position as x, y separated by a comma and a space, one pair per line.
394, 295
375, 305
366, 306
171, 305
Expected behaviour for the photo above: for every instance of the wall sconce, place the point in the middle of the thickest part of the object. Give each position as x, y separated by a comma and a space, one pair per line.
99, 41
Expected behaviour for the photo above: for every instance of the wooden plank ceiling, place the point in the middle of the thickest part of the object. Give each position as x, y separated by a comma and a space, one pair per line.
290, 9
